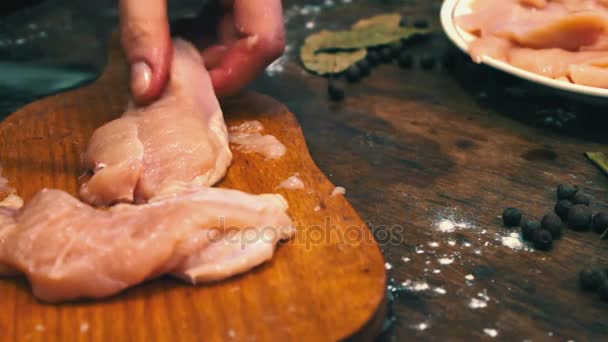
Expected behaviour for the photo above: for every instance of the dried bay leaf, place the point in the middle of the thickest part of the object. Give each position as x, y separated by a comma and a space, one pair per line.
330, 52
369, 36
324, 63
391, 20
599, 159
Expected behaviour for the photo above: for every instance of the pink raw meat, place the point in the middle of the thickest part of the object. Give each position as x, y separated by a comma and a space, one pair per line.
490, 46
593, 73
552, 63
553, 26
553, 38
181, 138
69, 250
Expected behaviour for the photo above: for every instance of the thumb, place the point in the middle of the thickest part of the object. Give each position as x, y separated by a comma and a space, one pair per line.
145, 38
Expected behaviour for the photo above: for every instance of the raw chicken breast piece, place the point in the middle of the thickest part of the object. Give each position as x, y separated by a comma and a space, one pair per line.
69, 250
553, 26
568, 32
556, 39
593, 73
180, 138
552, 63
490, 46
534, 3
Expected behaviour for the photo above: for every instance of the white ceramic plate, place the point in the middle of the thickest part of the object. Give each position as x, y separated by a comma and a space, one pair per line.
453, 8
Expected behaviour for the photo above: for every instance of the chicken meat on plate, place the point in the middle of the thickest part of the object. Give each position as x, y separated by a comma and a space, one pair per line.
561, 39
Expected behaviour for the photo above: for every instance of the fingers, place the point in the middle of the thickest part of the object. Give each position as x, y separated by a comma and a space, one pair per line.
145, 38
259, 23
213, 56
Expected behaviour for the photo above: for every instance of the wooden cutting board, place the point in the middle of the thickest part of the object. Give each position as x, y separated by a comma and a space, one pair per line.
328, 283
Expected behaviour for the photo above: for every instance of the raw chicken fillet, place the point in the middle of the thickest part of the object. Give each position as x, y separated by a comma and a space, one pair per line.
181, 138
69, 250
163, 156
560, 39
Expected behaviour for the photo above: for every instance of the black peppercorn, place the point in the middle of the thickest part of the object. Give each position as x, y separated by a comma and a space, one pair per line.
511, 217
373, 57
528, 228
600, 222
579, 217
405, 60
561, 209
566, 191
543, 240
386, 54
364, 67
353, 74
427, 62
421, 23
335, 92
580, 198
553, 224
589, 279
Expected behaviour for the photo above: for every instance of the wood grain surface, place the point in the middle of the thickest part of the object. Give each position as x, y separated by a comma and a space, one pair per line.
414, 146
328, 283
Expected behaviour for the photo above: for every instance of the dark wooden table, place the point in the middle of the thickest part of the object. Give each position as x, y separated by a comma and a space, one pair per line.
414, 147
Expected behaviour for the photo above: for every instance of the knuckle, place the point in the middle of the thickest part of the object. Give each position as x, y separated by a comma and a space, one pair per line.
134, 34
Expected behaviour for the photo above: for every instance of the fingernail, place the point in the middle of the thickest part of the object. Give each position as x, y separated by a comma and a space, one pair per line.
141, 76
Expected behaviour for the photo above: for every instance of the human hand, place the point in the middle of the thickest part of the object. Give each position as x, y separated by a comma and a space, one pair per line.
239, 38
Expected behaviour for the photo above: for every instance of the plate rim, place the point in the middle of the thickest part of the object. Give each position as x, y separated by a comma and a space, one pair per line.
457, 36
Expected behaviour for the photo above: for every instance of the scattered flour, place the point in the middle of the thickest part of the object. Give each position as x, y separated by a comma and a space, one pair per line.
484, 295
491, 332
317, 208
415, 286
448, 226
231, 333
469, 277
433, 244
445, 261
436, 271
388, 266
515, 242
84, 327
421, 326
405, 259
39, 327
440, 290
477, 303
